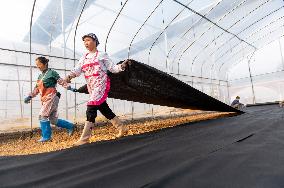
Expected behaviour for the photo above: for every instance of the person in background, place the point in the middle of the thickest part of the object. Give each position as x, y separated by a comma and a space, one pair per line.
94, 65
236, 103
281, 104
46, 87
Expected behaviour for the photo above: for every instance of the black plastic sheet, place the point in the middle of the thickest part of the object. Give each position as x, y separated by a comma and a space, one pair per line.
145, 84
238, 151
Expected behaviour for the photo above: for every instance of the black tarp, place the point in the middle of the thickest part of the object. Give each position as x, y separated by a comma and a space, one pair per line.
145, 84
239, 151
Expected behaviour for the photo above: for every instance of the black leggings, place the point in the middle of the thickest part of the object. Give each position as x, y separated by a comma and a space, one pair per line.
91, 112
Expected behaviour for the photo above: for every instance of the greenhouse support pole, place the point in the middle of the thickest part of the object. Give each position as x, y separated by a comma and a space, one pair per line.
74, 54
166, 51
202, 80
6, 100
19, 92
18, 82
64, 54
132, 110
219, 91
211, 83
280, 48
228, 91
31, 71
251, 81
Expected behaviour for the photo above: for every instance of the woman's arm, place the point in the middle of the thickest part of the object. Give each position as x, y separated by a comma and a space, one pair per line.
34, 93
83, 89
31, 95
59, 80
62, 82
110, 65
75, 72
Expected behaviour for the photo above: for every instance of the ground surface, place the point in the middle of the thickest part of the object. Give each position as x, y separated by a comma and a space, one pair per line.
21, 143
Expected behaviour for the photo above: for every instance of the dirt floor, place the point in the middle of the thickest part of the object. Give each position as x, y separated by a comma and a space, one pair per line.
21, 143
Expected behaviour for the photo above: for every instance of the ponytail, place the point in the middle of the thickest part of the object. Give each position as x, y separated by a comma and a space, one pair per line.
43, 60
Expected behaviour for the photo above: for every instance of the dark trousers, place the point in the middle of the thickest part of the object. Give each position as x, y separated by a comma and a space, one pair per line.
91, 112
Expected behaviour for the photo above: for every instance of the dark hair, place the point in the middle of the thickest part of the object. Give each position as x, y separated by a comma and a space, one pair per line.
93, 36
43, 60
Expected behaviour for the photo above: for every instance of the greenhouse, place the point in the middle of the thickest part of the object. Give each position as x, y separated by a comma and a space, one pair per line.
190, 93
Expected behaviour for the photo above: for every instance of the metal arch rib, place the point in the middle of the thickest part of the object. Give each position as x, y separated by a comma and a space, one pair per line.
198, 21
149, 53
237, 33
142, 26
258, 39
234, 8
213, 24
31, 72
246, 29
74, 54
113, 24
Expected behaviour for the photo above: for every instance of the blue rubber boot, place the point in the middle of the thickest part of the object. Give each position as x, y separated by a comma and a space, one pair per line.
67, 125
45, 131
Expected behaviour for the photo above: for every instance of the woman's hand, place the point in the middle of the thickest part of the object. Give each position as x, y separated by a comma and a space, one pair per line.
27, 99
125, 64
68, 79
72, 89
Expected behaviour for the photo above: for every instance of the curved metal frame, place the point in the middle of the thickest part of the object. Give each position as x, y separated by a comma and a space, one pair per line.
241, 50
252, 86
208, 44
211, 43
226, 31
113, 24
250, 75
234, 8
260, 38
240, 32
149, 53
188, 31
254, 32
203, 17
142, 27
236, 34
246, 29
74, 54
224, 16
31, 71
263, 73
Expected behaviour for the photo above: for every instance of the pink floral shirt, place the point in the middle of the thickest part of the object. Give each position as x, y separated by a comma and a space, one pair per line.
95, 66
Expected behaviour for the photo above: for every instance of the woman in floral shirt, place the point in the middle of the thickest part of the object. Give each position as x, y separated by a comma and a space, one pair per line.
94, 65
